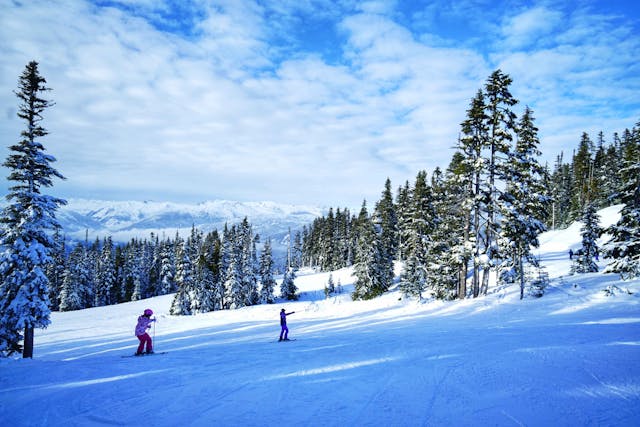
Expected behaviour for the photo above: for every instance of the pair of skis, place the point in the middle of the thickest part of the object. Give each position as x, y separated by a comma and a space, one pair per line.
147, 354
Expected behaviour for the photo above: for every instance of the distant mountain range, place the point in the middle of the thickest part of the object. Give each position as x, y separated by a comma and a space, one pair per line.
124, 220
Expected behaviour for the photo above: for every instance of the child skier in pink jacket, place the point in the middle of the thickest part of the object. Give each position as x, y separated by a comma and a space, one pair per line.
144, 323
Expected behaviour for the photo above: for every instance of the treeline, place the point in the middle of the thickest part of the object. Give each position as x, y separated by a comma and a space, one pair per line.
480, 216
206, 271
596, 174
451, 230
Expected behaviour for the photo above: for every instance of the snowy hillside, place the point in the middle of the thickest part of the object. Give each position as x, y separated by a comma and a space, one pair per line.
569, 358
125, 220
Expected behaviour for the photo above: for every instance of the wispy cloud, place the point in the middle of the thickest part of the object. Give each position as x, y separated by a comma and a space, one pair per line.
298, 101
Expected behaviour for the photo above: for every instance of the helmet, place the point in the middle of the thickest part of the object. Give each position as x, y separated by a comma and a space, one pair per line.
148, 312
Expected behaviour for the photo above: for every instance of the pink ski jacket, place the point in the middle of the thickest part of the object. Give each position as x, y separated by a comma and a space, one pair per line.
144, 323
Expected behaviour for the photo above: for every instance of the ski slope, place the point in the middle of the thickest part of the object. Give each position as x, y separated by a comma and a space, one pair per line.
570, 358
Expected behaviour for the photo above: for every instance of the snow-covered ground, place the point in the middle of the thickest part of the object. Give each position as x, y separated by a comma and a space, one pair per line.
570, 358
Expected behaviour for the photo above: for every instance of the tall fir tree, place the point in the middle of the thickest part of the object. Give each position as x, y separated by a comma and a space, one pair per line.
582, 168
414, 278
181, 304
501, 125
267, 282
403, 203
55, 269
584, 260
471, 170
288, 288
105, 275
385, 221
454, 209
27, 222
444, 267
525, 200
561, 193
624, 245
167, 269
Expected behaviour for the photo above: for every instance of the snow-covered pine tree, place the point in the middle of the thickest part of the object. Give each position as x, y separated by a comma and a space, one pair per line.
167, 268
70, 297
288, 288
249, 264
55, 269
105, 280
370, 268
205, 290
584, 259
155, 264
470, 172
443, 267
414, 278
403, 203
27, 222
195, 288
142, 266
233, 282
455, 211
501, 124
525, 200
561, 191
267, 282
582, 168
624, 246
385, 221
181, 304
330, 287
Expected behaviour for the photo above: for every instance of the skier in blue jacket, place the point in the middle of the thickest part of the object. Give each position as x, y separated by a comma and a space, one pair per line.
283, 324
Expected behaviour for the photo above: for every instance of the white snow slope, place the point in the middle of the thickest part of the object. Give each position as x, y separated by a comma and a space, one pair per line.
570, 358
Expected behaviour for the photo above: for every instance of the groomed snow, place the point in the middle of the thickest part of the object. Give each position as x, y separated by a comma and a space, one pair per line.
567, 359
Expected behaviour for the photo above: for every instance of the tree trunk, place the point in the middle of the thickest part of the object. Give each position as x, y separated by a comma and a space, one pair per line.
27, 350
521, 274
462, 281
485, 280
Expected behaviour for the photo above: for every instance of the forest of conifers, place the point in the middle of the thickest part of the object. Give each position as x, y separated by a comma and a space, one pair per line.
451, 229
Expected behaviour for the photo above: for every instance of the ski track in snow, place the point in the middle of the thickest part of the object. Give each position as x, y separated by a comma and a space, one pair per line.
567, 359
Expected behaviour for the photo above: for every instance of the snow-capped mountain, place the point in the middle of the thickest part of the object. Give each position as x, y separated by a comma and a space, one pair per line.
124, 220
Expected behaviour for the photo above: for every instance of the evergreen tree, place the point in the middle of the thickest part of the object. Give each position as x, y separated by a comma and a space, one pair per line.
28, 219
167, 269
456, 226
371, 279
267, 282
525, 200
288, 288
181, 304
248, 264
105, 275
624, 246
582, 177
403, 203
472, 168
591, 231
55, 270
561, 193
415, 275
386, 228
445, 258
501, 125
330, 287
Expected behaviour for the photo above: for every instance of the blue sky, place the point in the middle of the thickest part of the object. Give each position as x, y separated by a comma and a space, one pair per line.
302, 101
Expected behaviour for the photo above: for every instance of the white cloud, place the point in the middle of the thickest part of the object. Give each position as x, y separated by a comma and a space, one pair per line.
217, 112
530, 26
